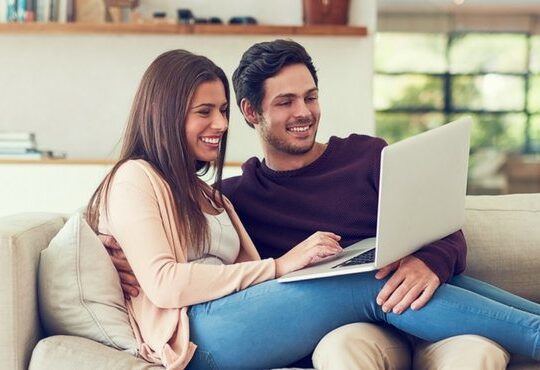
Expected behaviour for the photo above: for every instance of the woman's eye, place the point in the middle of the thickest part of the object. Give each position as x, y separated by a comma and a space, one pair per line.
203, 112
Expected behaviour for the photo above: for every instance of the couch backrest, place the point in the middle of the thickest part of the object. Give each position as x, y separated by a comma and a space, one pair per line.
503, 238
22, 237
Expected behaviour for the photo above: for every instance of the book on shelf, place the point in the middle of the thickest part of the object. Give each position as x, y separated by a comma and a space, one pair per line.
16, 135
11, 11
28, 155
17, 144
25, 11
43, 10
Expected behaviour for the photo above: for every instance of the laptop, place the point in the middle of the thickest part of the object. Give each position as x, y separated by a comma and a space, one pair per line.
422, 189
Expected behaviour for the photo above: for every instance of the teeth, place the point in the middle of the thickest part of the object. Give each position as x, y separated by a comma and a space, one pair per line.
299, 129
210, 140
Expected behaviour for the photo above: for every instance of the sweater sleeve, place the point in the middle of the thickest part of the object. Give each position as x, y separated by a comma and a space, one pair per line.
135, 221
445, 257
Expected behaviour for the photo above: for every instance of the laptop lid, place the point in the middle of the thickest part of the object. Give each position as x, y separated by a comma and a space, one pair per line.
415, 210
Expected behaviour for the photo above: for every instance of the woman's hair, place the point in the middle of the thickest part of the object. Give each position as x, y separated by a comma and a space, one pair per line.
156, 133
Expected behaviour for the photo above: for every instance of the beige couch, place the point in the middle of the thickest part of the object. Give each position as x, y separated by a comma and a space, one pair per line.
503, 233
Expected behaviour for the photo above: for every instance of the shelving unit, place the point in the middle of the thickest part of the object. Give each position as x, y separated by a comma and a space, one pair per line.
195, 29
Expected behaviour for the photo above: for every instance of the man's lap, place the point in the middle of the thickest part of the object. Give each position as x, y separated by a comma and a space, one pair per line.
365, 345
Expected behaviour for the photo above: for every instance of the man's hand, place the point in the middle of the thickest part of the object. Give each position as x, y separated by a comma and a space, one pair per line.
412, 285
130, 285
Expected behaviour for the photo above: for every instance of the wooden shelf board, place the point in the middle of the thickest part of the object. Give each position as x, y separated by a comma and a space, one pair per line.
196, 29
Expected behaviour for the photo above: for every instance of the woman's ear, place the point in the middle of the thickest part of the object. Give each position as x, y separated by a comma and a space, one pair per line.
249, 112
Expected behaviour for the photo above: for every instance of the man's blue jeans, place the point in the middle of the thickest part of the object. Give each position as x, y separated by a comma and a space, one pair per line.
274, 324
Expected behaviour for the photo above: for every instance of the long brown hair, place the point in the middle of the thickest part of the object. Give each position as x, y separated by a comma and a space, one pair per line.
156, 133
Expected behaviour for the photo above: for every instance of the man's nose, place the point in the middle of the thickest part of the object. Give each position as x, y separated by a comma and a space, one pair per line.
302, 109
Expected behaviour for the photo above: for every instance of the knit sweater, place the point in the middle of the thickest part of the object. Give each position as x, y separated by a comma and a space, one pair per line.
338, 192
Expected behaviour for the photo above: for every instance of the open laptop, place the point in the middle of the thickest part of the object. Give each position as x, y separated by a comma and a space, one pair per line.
422, 191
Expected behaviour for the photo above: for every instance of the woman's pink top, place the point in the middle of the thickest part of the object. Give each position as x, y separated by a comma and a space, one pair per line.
140, 215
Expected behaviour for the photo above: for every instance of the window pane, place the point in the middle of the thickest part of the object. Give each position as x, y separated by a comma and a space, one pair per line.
504, 132
534, 132
490, 92
471, 53
535, 53
408, 91
534, 94
397, 126
410, 52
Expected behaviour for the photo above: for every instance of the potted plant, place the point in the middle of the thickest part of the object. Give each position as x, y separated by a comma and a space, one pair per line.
326, 11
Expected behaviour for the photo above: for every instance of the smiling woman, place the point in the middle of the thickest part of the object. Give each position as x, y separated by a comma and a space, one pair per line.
206, 121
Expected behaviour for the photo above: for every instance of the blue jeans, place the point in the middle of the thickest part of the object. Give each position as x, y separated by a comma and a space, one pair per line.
274, 324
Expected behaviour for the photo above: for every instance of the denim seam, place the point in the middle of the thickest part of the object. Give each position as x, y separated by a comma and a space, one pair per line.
486, 314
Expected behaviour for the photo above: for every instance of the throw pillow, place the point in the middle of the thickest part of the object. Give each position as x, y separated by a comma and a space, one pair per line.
79, 289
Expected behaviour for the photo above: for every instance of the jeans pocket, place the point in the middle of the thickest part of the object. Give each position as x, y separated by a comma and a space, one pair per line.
202, 360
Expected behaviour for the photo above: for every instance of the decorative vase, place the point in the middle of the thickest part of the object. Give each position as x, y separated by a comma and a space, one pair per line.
326, 11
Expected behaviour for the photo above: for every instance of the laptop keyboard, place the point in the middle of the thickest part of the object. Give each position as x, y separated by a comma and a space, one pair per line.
362, 259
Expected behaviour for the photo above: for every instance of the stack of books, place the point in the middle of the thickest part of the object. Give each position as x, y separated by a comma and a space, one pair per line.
37, 10
19, 145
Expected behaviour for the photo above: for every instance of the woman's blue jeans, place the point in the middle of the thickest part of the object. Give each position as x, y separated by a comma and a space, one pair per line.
274, 324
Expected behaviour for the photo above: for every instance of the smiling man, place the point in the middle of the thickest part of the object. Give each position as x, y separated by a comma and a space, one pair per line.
302, 186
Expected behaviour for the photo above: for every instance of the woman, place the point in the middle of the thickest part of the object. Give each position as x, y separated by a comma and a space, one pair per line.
207, 300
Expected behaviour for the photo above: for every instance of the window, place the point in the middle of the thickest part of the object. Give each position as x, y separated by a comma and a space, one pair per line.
426, 79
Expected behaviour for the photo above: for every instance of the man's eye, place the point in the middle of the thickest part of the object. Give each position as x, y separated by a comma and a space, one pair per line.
312, 98
284, 103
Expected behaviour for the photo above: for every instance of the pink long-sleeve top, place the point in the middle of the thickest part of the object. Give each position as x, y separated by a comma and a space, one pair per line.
140, 215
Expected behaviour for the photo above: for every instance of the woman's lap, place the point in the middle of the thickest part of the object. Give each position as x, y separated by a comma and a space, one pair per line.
273, 324
271, 321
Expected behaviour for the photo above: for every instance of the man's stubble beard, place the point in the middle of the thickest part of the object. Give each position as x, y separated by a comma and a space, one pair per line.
281, 145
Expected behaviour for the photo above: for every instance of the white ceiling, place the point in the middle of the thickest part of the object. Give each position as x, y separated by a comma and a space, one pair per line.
492, 6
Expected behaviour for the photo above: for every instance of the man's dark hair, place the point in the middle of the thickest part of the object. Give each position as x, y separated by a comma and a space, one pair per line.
265, 60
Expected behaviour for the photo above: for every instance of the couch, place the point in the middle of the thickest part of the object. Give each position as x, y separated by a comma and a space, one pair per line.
503, 234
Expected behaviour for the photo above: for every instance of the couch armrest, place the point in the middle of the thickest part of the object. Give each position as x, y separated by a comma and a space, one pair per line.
66, 352
22, 238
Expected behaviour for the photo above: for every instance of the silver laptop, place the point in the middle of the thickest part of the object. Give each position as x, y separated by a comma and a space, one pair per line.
422, 191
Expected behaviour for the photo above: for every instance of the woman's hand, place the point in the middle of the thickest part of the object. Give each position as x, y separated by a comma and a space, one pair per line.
320, 245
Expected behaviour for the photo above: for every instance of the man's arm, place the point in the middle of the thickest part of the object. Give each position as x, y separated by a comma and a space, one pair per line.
418, 276
130, 285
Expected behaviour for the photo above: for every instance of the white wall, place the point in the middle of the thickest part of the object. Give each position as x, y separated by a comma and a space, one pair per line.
74, 91
59, 188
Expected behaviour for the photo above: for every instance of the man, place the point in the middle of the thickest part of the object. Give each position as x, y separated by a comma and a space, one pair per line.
303, 186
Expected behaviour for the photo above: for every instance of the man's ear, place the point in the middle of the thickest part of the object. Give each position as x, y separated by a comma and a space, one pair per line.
249, 112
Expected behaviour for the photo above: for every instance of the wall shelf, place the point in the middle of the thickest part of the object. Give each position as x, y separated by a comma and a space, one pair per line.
181, 29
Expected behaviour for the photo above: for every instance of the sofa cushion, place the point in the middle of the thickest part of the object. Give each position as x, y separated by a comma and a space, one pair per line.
79, 289
61, 352
503, 239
